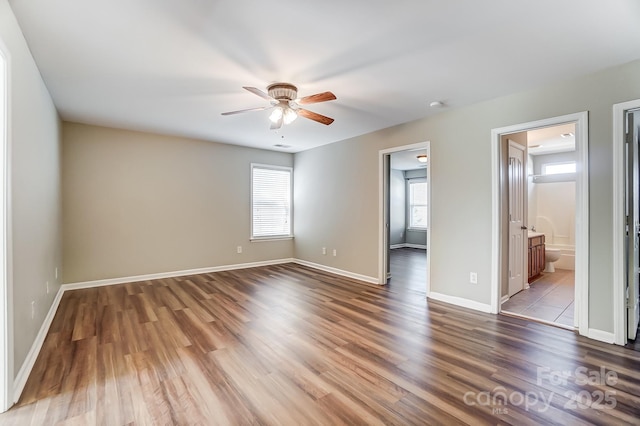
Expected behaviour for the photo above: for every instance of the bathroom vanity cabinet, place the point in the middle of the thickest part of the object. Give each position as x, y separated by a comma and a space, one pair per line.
536, 256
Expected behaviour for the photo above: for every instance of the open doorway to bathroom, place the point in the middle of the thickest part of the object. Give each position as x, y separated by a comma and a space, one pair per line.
548, 293
513, 252
405, 219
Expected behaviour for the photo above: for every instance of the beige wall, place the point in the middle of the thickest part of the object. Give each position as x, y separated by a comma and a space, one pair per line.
336, 205
337, 187
35, 188
139, 203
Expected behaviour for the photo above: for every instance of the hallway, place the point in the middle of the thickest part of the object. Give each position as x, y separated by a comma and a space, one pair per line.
408, 270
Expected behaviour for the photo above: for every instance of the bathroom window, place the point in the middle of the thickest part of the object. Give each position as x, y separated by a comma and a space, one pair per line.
558, 168
271, 188
418, 203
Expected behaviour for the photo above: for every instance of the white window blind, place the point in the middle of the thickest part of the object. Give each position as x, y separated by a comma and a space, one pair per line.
417, 204
270, 201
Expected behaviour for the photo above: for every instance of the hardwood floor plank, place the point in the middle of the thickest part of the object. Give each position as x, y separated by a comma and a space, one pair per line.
202, 387
290, 345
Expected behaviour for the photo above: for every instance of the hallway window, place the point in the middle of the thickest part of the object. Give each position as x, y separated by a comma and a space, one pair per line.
418, 203
270, 202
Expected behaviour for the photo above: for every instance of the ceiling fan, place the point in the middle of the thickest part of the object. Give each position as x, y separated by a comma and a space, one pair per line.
286, 105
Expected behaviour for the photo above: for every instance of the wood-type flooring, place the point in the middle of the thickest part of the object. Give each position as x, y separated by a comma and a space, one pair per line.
292, 345
408, 270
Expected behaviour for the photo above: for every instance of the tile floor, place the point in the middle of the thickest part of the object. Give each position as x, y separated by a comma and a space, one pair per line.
549, 298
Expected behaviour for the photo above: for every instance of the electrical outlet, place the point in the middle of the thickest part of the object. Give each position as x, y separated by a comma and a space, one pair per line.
33, 309
324, 250
473, 277
239, 249
47, 284
335, 252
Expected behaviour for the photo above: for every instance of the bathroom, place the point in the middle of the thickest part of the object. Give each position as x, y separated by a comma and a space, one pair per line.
551, 212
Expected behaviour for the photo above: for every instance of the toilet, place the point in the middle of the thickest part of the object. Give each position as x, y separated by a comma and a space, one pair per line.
551, 255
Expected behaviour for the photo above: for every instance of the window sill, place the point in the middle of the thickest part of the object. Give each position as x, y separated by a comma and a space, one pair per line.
417, 229
560, 177
267, 239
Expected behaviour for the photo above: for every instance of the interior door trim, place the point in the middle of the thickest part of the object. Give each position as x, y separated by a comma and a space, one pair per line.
619, 230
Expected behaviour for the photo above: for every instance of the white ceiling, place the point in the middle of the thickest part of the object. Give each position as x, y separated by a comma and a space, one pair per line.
407, 160
172, 66
550, 140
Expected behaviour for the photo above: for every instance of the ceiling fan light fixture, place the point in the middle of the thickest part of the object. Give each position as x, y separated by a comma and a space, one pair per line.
285, 106
289, 116
422, 158
276, 115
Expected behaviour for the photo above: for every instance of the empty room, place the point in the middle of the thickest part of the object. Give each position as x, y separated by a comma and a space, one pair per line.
233, 213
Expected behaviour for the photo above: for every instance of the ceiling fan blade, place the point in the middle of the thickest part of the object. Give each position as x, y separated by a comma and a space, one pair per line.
315, 116
258, 92
318, 97
277, 124
246, 110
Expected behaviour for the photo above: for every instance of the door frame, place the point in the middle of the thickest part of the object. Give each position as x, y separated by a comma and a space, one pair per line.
581, 120
6, 283
382, 199
619, 230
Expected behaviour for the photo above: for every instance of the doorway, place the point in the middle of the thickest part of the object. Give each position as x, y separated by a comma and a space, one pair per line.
500, 199
626, 222
549, 225
632, 237
404, 218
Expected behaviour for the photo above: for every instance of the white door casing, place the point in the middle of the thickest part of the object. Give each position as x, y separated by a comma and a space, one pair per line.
633, 223
6, 303
517, 228
387, 216
619, 235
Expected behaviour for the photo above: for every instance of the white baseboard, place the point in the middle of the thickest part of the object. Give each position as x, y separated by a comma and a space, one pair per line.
459, 301
504, 298
416, 246
601, 336
408, 245
173, 274
22, 376
336, 271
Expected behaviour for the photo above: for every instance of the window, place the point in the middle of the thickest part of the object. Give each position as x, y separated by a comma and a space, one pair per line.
558, 168
270, 202
418, 204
